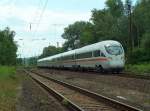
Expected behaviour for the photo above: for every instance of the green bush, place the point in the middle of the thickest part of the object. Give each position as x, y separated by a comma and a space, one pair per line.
145, 43
138, 68
138, 55
7, 72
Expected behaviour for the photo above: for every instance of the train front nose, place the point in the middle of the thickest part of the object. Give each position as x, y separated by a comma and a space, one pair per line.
117, 62
116, 56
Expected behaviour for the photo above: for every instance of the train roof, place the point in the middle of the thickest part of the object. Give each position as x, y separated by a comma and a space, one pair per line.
87, 48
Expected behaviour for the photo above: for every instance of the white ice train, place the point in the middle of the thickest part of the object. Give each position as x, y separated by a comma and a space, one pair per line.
103, 56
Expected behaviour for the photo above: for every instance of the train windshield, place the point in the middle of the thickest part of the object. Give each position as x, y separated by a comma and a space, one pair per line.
114, 50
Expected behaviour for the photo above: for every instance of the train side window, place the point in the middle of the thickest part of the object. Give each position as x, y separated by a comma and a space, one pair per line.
97, 53
76, 56
102, 54
52, 60
79, 56
86, 55
69, 57
72, 57
83, 55
59, 59
64, 58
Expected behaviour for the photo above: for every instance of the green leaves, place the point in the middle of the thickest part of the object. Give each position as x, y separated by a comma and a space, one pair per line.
113, 22
146, 42
115, 7
76, 33
8, 47
50, 50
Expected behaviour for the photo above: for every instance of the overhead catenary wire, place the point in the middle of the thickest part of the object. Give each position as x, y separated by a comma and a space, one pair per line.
40, 18
33, 22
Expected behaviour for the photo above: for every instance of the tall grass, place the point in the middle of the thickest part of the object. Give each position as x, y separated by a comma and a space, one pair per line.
139, 68
7, 72
8, 88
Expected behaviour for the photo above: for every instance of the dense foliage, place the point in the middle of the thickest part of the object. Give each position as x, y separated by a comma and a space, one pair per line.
50, 50
8, 47
119, 21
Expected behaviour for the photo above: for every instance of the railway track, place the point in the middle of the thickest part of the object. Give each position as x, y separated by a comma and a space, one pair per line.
137, 76
79, 99
123, 74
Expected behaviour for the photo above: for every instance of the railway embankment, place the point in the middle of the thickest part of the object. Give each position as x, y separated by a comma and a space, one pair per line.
19, 93
129, 90
77, 98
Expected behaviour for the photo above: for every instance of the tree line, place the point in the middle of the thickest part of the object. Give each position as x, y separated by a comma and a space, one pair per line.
8, 47
119, 21
50, 50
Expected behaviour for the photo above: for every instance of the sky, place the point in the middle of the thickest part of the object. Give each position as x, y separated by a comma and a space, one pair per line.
40, 23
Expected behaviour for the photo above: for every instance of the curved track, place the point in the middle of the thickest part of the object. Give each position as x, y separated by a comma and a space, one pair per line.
80, 99
123, 74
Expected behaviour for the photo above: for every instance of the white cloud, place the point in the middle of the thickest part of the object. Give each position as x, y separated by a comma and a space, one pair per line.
52, 23
19, 17
49, 19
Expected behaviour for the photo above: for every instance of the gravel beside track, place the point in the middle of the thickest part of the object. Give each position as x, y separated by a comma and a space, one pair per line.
85, 102
33, 98
130, 90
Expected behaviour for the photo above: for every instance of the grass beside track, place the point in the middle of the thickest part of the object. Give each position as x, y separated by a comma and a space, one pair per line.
139, 68
9, 83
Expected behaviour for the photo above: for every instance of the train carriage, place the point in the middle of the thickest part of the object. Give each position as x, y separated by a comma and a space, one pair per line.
106, 55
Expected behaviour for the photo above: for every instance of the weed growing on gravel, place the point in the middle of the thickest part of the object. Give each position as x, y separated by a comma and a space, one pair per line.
65, 102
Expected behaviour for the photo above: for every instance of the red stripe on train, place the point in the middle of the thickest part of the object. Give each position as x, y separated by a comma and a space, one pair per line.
96, 59
78, 60
102, 59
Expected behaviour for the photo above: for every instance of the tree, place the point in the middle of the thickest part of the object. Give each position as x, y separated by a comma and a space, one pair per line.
104, 24
113, 23
125, 23
115, 7
141, 18
50, 50
8, 47
74, 32
145, 43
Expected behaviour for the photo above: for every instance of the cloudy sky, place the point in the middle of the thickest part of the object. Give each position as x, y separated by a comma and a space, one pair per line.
38, 23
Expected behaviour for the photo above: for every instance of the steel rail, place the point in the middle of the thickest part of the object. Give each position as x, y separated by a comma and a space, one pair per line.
137, 76
123, 74
107, 100
70, 105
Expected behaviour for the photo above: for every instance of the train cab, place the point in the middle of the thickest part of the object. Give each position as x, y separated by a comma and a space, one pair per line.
115, 54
